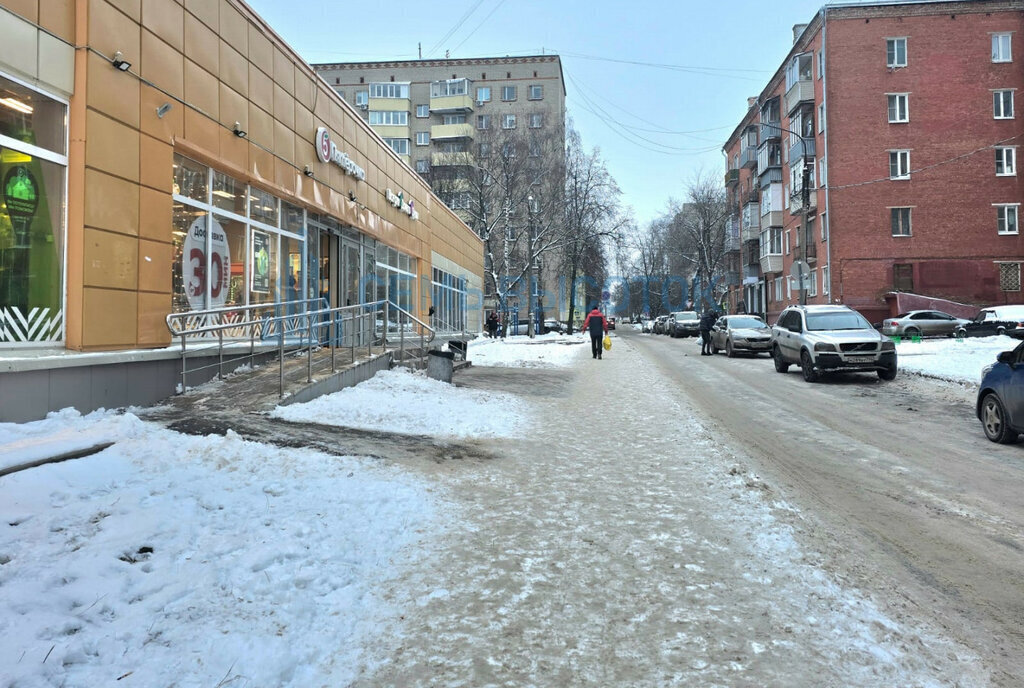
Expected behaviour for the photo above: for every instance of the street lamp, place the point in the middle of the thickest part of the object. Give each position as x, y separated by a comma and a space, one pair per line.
532, 286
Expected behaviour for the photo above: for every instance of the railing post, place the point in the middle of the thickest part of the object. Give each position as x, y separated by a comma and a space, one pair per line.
183, 364
309, 356
387, 326
280, 339
368, 317
220, 354
330, 333
401, 339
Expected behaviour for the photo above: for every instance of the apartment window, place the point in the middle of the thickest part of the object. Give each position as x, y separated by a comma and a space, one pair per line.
1006, 162
508, 150
1002, 104
778, 289
400, 146
483, 94
785, 243
899, 107
340, 92
449, 87
821, 118
821, 63
899, 164
508, 121
423, 111
812, 284
508, 92
903, 277
824, 280
900, 218
824, 226
534, 149
483, 122
362, 97
821, 172
422, 138
1009, 276
389, 118
789, 289
422, 166
536, 92
389, 90
536, 120
1001, 47
896, 52
1006, 218
453, 119
483, 150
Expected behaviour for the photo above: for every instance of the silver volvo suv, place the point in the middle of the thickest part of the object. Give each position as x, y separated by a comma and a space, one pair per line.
830, 338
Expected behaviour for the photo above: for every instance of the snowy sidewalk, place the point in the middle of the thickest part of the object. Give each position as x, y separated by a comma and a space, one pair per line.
615, 544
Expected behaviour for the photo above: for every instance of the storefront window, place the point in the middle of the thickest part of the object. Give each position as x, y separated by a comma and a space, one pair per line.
262, 207
31, 248
228, 194
291, 218
292, 275
235, 233
263, 266
188, 269
31, 117
190, 179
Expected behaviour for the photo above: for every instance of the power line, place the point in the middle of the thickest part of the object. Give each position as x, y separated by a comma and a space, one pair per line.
455, 28
706, 71
477, 28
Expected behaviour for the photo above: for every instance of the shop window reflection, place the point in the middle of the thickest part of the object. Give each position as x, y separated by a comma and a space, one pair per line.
262, 206
190, 178
228, 194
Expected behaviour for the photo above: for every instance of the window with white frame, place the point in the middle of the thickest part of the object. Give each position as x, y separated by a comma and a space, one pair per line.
900, 221
896, 52
536, 92
824, 280
422, 138
824, 226
785, 242
400, 146
789, 289
821, 63
771, 242
508, 121
449, 87
821, 172
483, 122
389, 118
389, 90
812, 284
899, 107
534, 148
778, 289
422, 111
449, 300
1006, 218
821, 118
483, 150
536, 120
362, 97
1009, 276
1001, 47
422, 166
1002, 103
1006, 161
453, 119
508, 93
899, 164
483, 94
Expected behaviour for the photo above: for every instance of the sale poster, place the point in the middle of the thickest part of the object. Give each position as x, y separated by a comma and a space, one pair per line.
260, 262
195, 265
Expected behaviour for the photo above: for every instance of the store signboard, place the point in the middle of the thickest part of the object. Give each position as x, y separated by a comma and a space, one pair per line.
398, 201
193, 268
328, 151
260, 269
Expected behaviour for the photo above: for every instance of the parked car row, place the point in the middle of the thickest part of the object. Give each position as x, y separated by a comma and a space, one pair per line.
990, 321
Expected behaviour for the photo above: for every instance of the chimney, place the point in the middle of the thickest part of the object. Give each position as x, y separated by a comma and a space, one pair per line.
797, 30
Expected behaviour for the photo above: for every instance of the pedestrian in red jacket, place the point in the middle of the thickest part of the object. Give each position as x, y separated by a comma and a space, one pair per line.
598, 327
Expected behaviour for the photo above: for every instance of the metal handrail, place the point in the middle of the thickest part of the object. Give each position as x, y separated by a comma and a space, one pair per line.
303, 329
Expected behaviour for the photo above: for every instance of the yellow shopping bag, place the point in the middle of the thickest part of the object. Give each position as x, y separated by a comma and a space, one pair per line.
607, 343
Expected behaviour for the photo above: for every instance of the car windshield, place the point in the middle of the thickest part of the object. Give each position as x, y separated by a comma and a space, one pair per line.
686, 315
843, 320
746, 322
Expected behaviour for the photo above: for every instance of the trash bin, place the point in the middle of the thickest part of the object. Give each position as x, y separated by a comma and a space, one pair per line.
440, 365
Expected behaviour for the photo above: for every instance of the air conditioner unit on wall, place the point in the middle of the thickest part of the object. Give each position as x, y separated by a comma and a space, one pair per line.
480, 103
364, 106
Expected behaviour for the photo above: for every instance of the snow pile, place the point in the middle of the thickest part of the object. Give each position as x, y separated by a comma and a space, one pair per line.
545, 351
951, 359
180, 560
409, 403
22, 444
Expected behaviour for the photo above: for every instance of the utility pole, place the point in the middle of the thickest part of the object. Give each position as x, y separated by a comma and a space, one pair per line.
532, 286
805, 199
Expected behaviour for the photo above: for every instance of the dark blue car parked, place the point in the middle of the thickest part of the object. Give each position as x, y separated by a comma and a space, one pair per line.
1001, 397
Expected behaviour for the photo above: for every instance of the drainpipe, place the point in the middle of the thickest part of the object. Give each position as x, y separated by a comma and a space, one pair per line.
828, 125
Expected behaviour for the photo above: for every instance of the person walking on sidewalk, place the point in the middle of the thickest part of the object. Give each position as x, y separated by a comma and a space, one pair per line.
707, 321
597, 325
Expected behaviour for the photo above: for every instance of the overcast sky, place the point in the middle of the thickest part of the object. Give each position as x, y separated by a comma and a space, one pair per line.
713, 55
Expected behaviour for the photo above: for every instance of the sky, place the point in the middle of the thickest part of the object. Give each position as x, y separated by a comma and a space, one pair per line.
713, 55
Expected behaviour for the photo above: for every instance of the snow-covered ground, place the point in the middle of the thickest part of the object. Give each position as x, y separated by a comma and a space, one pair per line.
410, 403
195, 561
952, 359
545, 351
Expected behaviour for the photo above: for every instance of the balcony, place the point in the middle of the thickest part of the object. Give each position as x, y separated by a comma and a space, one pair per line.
812, 246
800, 92
732, 234
796, 206
751, 271
386, 104
730, 278
770, 130
451, 159
750, 220
796, 150
771, 263
451, 104
732, 177
441, 132
772, 218
748, 156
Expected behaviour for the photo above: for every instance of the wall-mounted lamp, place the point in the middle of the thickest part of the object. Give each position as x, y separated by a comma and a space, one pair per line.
308, 171
239, 132
120, 63
163, 110
351, 196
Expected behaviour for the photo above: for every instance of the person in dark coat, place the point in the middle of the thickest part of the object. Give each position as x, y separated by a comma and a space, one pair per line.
492, 324
707, 321
596, 324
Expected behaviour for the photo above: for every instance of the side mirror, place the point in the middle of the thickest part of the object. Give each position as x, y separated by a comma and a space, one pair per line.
1005, 357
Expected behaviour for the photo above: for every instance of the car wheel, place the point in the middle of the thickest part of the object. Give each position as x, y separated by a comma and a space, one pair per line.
888, 373
961, 332
911, 332
1000, 330
728, 349
780, 363
993, 420
807, 367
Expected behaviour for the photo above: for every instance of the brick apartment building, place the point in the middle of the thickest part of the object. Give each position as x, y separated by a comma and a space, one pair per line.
907, 115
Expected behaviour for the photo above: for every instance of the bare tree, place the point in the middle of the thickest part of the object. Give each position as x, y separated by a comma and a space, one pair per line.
698, 229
